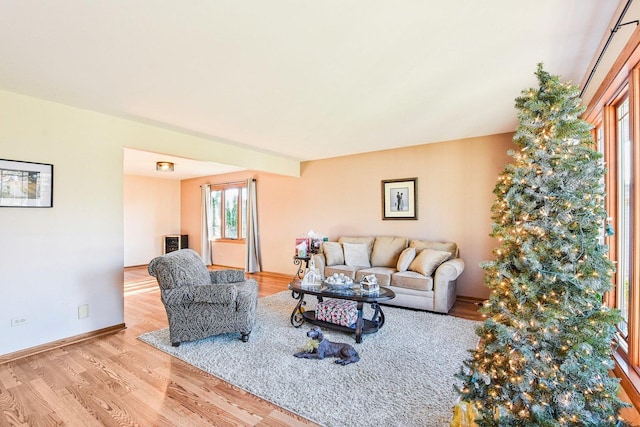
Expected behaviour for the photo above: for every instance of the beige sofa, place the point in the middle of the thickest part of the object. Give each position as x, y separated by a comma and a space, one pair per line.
421, 273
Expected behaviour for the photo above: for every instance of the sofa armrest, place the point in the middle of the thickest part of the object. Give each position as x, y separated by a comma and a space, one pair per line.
320, 262
211, 294
449, 270
444, 284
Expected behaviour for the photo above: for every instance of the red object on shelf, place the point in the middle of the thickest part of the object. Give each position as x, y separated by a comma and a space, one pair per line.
306, 241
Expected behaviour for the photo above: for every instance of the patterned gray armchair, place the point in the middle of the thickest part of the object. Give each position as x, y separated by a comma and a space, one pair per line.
201, 303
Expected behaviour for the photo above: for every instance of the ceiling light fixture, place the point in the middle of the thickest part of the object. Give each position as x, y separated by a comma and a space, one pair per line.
164, 166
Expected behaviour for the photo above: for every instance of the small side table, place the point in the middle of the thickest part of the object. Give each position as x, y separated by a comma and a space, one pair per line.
297, 261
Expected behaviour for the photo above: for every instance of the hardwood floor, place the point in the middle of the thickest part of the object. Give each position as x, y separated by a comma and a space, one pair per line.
117, 380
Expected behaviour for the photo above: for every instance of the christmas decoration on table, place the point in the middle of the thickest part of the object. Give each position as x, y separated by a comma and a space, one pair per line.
545, 348
338, 281
312, 276
369, 283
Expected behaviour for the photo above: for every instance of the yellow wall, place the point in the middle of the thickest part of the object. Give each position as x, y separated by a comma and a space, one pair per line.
342, 196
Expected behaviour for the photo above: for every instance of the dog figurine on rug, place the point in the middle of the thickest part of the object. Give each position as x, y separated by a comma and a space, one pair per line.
318, 348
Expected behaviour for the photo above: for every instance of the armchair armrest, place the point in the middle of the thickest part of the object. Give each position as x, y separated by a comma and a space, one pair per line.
227, 276
247, 299
212, 294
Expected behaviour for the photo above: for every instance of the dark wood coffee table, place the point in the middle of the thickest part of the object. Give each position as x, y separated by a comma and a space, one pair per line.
363, 326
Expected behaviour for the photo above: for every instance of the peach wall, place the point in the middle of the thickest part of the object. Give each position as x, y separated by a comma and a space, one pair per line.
342, 196
149, 213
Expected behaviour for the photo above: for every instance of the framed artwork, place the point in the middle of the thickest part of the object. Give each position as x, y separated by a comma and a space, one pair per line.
26, 184
399, 198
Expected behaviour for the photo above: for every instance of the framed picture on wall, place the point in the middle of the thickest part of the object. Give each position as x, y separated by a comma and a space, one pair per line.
399, 198
26, 184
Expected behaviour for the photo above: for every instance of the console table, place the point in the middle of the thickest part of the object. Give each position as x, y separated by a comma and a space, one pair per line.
363, 326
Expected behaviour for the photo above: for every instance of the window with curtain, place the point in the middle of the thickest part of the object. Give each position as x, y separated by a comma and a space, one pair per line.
229, 204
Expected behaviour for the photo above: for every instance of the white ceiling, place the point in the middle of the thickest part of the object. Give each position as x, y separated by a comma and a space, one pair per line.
306, 79
143, 163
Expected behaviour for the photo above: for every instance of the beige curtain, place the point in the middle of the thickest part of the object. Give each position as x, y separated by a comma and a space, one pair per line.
252, 261
207, 219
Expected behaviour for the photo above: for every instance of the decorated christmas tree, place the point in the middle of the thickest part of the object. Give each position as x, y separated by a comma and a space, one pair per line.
546, 344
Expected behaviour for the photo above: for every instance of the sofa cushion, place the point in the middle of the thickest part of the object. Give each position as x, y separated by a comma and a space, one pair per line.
406, 258
355, 254
420, 245
428, 260
383, 274
412, 280
344, 269
366, 240
386, 251
333, 253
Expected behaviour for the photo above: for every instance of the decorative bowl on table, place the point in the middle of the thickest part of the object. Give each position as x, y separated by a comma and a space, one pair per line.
338, 281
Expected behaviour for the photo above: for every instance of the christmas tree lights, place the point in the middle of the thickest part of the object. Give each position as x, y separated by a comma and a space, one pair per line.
546, 343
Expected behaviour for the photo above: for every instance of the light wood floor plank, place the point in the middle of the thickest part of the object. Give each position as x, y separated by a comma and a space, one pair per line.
103, 406
30, 407
63, 405
8, 378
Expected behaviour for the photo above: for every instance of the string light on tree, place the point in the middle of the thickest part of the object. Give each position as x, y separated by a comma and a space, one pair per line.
545, 347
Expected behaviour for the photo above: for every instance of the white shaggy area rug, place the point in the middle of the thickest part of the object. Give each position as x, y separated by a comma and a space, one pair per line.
405, 375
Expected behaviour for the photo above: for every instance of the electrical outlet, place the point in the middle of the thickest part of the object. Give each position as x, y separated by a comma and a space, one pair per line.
19, 321
83, 311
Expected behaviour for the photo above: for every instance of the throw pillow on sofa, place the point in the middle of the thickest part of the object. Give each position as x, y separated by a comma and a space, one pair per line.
386, 251
450, 247
428, 260
356, 255
333, 253
406, 258
367, 240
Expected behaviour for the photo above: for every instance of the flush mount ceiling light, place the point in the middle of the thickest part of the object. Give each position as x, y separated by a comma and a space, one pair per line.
164, 166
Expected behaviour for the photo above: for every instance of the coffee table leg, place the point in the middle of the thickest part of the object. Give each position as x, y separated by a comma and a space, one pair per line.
296, 316
359, 323
378, 315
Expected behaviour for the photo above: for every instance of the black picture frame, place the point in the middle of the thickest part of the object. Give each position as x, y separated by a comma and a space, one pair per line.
399, 198
25, 184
